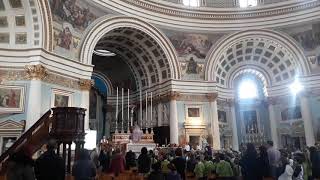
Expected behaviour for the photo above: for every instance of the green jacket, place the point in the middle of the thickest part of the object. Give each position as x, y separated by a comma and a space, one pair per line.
223, 169
199, 170
208, 168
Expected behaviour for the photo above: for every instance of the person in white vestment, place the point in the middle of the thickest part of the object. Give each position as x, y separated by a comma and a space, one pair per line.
288, 172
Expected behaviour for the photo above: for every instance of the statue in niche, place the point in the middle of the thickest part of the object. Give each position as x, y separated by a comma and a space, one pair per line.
192, 66
165, 113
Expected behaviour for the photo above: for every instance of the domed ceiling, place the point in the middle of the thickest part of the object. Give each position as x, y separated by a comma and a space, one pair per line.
219, 3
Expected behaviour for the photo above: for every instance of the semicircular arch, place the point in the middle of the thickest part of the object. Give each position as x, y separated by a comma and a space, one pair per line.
107, 23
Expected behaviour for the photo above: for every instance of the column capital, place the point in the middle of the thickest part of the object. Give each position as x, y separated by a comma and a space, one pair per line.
212, 96
231, 102
171, 95
36, 72
85, 84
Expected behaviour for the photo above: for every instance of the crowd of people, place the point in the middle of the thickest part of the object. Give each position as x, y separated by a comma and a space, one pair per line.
174, 163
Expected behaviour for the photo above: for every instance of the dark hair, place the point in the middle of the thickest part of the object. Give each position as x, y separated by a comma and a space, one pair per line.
270, 143
263, 151
156, 166
178, 152
172, 167
52, 144
221, 156
84, 154
144, 150
251, 150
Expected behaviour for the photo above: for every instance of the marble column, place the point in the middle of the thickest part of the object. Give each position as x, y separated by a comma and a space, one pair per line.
85, 86
36, 73
235, 139
174, 126
159, 107
307, 120
273, 122
214, 121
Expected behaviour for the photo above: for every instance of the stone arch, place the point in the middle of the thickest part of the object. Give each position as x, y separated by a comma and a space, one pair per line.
276, 55
106, 24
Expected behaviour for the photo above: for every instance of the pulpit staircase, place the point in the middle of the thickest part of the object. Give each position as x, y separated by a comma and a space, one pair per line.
65, 124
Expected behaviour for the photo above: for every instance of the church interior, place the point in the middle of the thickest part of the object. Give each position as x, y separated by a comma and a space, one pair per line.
220, 72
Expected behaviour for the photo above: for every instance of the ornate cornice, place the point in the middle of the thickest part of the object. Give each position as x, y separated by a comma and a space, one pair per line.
85, 84
207, 18
51, 78
36, 72
208, 13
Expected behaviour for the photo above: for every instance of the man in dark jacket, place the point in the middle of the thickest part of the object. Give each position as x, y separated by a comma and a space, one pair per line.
180, 163
144, 161
50, 166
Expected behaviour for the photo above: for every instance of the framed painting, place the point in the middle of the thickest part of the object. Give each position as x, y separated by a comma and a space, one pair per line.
61, 98
222, 116
194, 112
12, 98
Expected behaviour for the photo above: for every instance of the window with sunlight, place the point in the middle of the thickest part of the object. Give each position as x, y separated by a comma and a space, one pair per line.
248, 3
248, 89
193, 3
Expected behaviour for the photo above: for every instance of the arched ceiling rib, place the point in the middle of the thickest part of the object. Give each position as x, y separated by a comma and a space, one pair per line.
264, 53
142, 53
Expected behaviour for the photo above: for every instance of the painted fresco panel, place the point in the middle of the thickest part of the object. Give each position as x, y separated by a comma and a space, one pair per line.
11, 98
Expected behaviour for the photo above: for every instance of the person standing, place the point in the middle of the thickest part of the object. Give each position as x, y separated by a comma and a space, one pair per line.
84, 168
223, 168
144, 161
315, 162
288, 171
180, 163
117, 164
274, 158
248, 163
263, 163
20, 166
50, 166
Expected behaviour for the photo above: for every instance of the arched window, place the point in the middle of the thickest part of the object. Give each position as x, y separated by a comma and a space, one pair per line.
248, 3
193, 3
248, 89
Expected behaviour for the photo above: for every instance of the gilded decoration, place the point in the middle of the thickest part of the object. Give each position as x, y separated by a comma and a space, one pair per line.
85, 84
51, 78
36, 72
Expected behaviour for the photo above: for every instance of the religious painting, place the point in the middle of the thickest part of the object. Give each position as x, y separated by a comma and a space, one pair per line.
21, 38
194, 112
250, 121
222, 116
64, 38
310, 38
73, 12
15, 3
11, 98
20, 21
7, 142
61, 98
291, 113
186, 44
4, 37
192, 66
3, 21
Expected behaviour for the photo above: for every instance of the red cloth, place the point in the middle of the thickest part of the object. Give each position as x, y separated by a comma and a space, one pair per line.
117, 164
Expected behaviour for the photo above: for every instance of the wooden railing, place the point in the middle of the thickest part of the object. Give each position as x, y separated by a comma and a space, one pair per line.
65, 124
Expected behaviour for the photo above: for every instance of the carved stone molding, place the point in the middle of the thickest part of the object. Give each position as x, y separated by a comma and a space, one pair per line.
36, 72
212, 96
85, 84
20, 75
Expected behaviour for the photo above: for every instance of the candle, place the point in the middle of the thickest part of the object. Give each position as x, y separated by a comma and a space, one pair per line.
117, 104
140, 108
151, 109
122, 109
128, 109
146, 109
